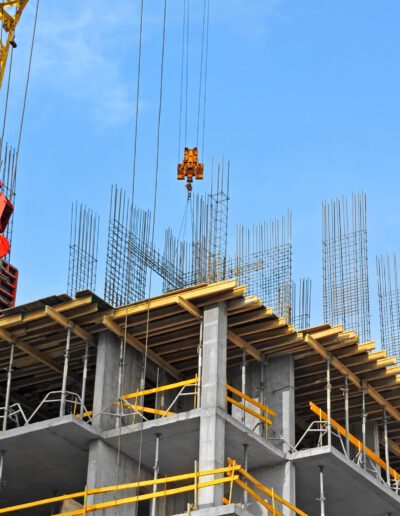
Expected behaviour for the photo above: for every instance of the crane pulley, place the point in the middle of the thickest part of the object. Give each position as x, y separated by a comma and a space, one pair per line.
190, 167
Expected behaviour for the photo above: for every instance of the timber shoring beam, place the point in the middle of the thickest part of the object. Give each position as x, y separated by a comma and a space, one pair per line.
30, 350
354, 379
68, 323
137, 344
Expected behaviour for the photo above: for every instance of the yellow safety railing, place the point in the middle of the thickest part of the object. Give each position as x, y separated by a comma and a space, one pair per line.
252, 484
264, 410
353, 440
136, 396
228, 475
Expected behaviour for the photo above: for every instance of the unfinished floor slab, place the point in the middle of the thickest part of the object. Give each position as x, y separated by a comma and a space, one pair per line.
44, 459
348, 488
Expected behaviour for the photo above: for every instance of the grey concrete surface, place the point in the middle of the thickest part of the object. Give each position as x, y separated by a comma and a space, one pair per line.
223, 510
348, 488
213, 400
44, 459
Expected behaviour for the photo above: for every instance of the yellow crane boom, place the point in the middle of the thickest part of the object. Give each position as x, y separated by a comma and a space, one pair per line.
10, 14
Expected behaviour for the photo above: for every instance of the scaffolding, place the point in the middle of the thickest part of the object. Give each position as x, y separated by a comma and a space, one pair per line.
389, 303
345, 264
83, 249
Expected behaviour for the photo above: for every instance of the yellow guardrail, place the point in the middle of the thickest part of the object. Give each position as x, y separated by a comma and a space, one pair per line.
231, 475
356, 442
262, 416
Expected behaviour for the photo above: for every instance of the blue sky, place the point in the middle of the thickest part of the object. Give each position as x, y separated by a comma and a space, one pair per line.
303, 98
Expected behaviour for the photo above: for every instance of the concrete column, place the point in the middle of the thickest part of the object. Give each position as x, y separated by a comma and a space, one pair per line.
213, 396
106, 468
279, 383
279, 393
106, 379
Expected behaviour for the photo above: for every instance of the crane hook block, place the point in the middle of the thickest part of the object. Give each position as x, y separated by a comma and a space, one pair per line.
190, 167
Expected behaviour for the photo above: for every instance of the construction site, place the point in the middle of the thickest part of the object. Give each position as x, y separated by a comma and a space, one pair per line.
195, 381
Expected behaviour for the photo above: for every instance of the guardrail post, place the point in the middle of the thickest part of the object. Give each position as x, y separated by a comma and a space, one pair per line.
386, 441
65, 373
8, 388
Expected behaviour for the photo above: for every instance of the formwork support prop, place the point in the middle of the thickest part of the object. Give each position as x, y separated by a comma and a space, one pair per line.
364, 428
322, 498
156, 470
84, 380
8, 388
328, 400
244, 367
346, 410
65, 372
386, 441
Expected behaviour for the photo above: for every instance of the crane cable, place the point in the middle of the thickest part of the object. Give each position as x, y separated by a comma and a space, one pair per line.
6, 105
157, 166
182, 79
25, 94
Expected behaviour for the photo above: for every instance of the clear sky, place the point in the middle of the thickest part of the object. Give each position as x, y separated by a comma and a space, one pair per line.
302, 97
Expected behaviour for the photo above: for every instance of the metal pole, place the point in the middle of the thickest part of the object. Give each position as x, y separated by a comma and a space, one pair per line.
156, 469
244, 363
386, 440
65, 373
364, 430
346, 410
84, 379
245, 497
322, 498
196, 483
8, 389
328, 400
120, 379
2, 453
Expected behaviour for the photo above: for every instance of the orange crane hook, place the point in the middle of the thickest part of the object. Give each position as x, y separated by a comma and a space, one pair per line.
190, 168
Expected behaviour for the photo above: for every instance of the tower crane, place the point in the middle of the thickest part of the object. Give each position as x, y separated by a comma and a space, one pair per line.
10, 15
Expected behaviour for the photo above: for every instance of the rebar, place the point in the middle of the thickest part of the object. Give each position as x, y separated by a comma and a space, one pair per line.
301, 304
345, 264
389, 303
83, 249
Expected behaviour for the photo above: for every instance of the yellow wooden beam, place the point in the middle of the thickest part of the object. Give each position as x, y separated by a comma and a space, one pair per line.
15, 319
137, 344
172, 299
189, 307
355, 380
242, 344
68, 323
38, 355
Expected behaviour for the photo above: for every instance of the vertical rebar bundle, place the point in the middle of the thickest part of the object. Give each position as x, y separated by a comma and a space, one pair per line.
301, 304
389, 303
83, 249
264, 263
218, 219
128, 240
345, 264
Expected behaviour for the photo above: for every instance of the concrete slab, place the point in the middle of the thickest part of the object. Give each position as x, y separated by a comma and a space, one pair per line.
44, 459
179, 442
348, 488
223, 510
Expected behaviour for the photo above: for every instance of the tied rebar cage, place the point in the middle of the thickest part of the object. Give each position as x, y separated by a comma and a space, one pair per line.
263, 262
83, 249
301, 304
8, 173
128, 237
345, 264
389, 303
